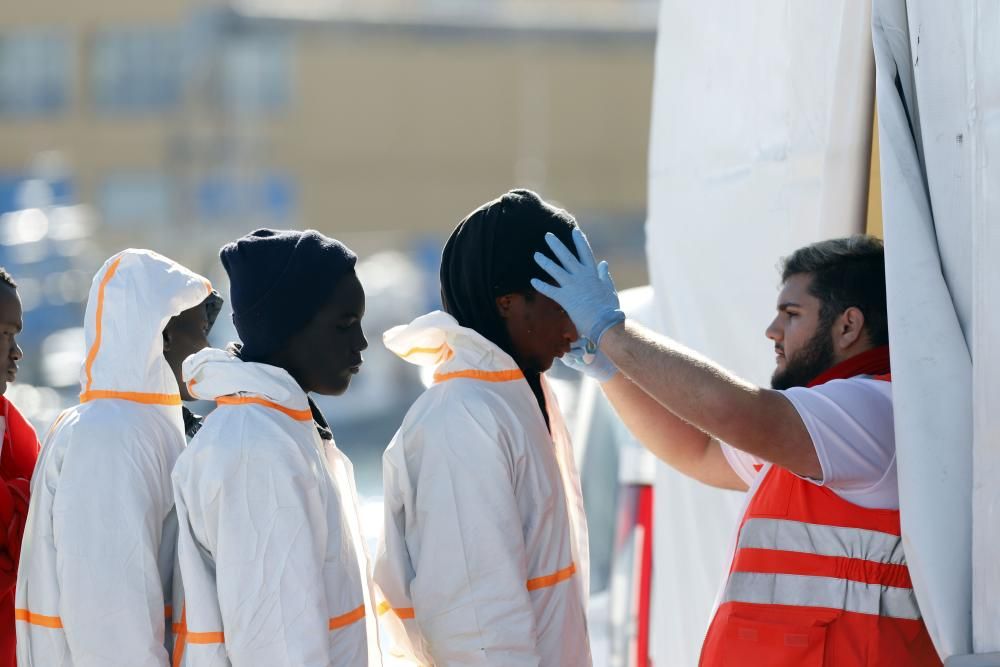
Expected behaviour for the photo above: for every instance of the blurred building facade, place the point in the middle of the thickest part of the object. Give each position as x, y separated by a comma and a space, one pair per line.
178, 126
379, 122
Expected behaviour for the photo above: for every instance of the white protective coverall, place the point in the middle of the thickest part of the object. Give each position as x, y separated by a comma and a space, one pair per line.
272, 561
484, 559
99, 544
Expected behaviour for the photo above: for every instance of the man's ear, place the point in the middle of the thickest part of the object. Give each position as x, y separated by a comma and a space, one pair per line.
850, 327
166, 339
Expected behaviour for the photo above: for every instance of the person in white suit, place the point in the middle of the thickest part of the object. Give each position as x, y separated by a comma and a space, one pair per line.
273, 571
94, 584
484, 559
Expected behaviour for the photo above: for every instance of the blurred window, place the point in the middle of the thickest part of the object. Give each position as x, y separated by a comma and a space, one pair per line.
260, 195
256, 74
34, 72
135, 199
137, 70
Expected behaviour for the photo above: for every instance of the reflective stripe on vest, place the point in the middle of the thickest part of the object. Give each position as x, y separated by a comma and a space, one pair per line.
811, 567
802, 564
798, 536
805, 591
816, 580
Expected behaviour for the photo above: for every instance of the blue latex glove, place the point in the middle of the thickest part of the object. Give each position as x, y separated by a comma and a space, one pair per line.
585, 289
597, 366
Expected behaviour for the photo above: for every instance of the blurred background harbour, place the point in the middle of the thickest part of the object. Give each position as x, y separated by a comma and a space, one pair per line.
179, 125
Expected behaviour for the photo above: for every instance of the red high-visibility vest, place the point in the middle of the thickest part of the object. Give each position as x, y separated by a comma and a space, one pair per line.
18, 454
816, 580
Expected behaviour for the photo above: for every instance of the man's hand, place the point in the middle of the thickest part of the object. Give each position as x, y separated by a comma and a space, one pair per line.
596, 365
585, 289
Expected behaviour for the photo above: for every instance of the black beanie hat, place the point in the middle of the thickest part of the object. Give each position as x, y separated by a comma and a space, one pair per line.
278, 280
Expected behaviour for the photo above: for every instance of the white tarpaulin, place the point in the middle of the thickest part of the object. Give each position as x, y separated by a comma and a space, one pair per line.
986, 324
761, 134
938, 87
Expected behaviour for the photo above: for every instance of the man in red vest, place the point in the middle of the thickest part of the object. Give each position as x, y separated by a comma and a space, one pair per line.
17, 460
818, 575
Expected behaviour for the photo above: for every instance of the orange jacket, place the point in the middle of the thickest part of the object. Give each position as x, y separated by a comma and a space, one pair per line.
816, 580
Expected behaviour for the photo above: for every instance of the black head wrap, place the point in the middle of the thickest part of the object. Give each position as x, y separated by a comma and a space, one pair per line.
491, 253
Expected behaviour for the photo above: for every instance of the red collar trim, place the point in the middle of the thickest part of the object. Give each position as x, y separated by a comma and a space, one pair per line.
871, 362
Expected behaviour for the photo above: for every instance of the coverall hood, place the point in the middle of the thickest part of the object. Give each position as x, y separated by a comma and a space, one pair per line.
132, 298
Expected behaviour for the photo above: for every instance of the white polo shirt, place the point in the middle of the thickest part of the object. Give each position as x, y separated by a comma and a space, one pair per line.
850, 422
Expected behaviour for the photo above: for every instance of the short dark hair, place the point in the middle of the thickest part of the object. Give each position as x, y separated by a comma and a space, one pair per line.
847, 272
7, 279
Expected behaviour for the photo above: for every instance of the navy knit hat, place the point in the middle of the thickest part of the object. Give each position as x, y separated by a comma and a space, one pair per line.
279, 279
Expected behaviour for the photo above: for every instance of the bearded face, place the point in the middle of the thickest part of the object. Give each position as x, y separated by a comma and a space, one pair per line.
802, 366
803, 337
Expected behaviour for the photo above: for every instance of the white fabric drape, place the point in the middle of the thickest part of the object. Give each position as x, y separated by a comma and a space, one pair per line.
938, 88
760, 143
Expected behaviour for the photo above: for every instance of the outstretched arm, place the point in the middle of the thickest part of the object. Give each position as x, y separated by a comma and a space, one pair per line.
673, 440
758, 421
